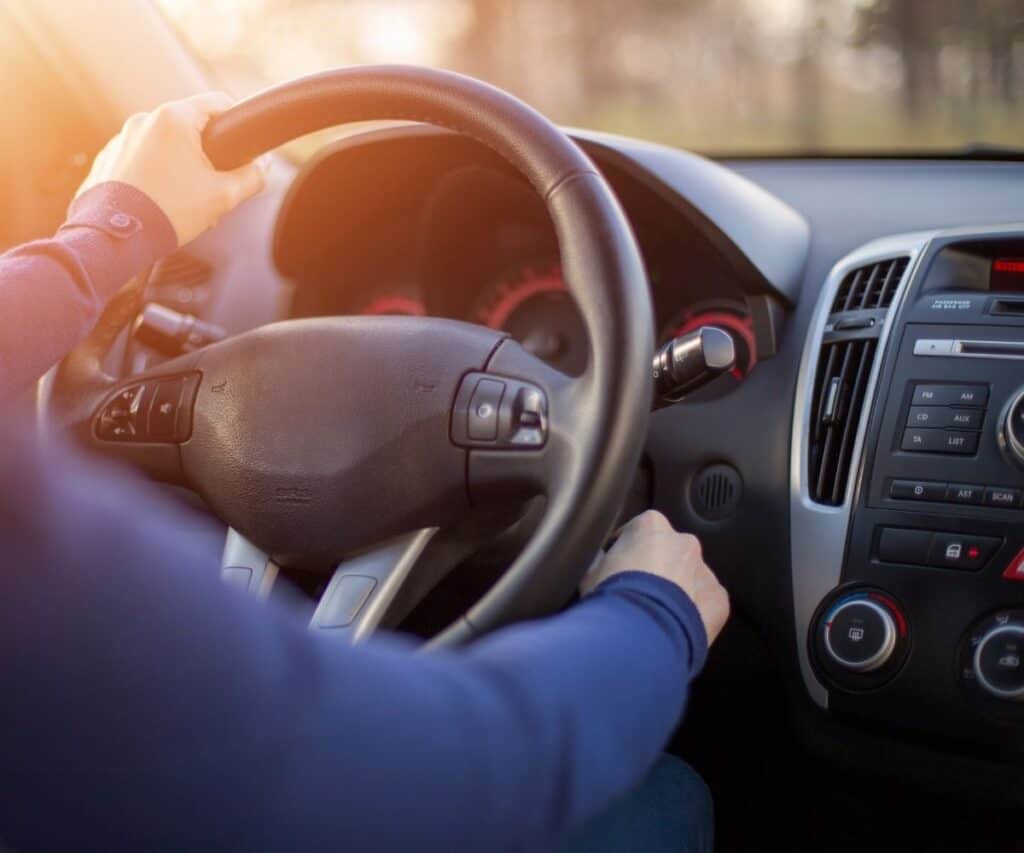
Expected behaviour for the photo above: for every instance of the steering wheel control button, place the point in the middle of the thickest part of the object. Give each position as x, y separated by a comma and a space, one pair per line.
163, 411
118, 418
529, 418
975, 396
962, 552
860, 634
156, 411
484, 405
911, 547
999, 661
499, 413
917, 490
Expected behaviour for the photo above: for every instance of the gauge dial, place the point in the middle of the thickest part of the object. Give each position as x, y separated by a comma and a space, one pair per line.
728, 314
534, 306
394, 304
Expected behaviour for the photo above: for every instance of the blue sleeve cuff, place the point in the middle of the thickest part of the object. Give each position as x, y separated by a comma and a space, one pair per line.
127, 215
671, 599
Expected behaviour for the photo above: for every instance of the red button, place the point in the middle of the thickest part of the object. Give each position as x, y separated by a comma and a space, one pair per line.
1015, 571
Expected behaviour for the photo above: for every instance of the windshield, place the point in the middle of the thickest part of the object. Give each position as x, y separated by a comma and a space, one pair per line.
719, 76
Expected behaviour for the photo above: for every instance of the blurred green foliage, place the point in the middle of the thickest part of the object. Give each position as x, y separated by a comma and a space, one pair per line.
723, 76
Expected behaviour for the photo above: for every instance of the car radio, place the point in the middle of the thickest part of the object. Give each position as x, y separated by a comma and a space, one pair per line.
930, 589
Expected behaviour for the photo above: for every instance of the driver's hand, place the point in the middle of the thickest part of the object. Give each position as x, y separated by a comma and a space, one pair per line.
649, 544
161, 153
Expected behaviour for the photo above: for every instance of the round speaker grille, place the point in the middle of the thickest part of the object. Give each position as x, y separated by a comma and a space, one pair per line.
716, 491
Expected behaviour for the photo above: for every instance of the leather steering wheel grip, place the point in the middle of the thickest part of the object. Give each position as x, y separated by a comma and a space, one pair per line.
601, 264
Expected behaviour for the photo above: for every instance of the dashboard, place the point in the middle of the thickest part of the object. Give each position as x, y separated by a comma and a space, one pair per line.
467, 239
872, 567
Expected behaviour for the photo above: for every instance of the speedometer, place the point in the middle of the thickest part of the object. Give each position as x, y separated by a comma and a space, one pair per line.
534, 306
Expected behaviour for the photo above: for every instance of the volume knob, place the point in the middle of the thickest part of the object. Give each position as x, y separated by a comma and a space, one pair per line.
1011, 428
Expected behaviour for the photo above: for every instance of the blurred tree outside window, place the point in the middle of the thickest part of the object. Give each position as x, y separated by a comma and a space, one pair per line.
718, 76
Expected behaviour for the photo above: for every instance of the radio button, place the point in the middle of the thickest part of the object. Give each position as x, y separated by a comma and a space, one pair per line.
964, 418
939, 417
939, 441
928, 416
917, 490
950, 395
961, 493
996, 496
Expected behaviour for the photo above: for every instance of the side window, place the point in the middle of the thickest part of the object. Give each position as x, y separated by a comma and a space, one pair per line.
47, 140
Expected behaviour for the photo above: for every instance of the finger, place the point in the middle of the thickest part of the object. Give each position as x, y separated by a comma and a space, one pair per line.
208, 104
244, 182
651, 521
197, 111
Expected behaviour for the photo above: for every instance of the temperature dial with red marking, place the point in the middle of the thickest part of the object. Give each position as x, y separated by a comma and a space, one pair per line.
861, 638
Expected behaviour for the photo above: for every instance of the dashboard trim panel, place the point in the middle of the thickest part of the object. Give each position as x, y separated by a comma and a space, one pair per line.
818, 533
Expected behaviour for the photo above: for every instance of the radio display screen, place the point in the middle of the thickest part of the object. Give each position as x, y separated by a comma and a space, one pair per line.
1007, 275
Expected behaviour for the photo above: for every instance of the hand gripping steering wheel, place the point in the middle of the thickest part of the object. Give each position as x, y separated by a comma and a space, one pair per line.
323, 438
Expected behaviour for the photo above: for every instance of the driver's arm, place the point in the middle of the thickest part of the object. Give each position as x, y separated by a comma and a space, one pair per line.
146, 706
150, 190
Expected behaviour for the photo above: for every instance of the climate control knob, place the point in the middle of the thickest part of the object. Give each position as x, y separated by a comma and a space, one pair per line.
999, 661
860, 634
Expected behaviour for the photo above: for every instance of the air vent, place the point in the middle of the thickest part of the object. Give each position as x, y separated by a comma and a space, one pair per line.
870, 287
844, 367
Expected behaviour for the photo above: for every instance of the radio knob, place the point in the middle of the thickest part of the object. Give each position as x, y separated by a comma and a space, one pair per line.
1011, 428
999, 661
860, 634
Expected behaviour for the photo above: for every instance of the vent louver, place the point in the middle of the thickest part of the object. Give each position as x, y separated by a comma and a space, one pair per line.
872, 286
844, 367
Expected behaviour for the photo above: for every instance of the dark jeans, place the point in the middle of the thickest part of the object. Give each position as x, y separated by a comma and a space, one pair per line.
669, 812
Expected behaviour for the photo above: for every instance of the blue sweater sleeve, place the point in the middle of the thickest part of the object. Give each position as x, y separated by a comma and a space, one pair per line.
146, 706
52, 291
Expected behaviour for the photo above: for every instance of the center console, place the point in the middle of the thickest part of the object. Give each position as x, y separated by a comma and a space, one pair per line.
907, 491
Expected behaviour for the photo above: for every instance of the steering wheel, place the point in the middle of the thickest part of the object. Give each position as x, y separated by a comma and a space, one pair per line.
320, 438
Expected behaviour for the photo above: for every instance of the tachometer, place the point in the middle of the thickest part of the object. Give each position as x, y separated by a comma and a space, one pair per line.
534, 306
728, 314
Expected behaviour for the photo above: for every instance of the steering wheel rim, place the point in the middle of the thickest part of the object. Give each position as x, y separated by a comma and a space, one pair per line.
598, 421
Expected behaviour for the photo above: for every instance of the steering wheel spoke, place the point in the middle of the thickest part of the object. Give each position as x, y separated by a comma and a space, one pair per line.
244, 566
363, 587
